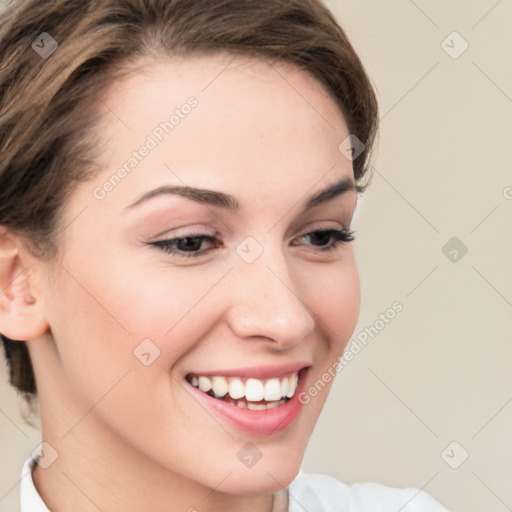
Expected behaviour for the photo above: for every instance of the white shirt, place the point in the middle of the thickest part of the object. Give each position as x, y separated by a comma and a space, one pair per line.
307, 493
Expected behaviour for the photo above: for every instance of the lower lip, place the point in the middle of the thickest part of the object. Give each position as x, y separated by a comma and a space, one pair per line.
263, 423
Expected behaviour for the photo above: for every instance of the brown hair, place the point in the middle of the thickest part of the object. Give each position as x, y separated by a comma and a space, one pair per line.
46, 100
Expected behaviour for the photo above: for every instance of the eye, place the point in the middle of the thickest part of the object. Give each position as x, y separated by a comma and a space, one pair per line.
188, 246
327, 239
195, 245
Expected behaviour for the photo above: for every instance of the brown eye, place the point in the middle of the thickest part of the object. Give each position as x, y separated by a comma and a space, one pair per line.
327, 239
188, 246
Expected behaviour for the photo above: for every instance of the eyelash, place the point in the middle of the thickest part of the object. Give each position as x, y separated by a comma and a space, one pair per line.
339, 238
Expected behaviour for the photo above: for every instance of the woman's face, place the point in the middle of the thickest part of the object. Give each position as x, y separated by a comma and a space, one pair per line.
198, 261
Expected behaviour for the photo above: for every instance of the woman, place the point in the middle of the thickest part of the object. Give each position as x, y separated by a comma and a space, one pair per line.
177, 185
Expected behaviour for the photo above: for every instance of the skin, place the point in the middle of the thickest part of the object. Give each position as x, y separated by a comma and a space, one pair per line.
131, 437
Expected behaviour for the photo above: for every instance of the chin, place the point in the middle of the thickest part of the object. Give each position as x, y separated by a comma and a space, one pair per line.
272, 469
263, 480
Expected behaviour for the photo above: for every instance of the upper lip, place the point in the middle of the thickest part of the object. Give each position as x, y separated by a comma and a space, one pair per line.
257, 372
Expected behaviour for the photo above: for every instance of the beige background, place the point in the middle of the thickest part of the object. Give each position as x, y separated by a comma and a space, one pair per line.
439, 372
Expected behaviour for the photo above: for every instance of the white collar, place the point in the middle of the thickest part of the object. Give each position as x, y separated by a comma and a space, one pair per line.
30, 499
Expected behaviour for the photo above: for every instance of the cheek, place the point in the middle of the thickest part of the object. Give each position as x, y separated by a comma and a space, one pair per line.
335, 301
99, 319
334, 298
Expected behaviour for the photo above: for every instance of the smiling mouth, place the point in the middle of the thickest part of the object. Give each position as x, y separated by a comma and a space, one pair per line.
248, 393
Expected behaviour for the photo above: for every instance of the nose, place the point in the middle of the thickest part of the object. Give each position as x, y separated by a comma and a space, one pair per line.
266, 303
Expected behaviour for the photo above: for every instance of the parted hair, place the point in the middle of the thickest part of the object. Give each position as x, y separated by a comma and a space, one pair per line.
49, 103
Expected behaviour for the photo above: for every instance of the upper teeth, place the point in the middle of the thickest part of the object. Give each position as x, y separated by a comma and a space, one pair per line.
254, 390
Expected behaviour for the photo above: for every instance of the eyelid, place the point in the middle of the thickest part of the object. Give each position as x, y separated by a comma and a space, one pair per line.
321, 226
188, 231
191, 232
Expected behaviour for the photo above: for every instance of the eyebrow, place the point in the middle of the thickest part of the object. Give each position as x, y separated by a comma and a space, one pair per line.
226, 201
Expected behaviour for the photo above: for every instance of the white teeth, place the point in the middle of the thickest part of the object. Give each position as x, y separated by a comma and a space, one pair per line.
254, 390
256, 407
272, 405
236, 389
292, 385
284, 387
272, 390
219, 386
205, 384
261, 407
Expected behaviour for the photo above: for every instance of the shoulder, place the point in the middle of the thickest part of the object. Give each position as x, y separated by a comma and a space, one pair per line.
324, 493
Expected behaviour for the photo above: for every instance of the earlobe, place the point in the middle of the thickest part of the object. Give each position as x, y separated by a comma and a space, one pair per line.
21, 314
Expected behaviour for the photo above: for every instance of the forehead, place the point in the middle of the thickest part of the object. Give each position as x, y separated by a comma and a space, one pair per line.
254, 123
218, 77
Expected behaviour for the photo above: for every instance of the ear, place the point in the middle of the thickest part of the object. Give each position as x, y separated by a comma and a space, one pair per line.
21, 313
